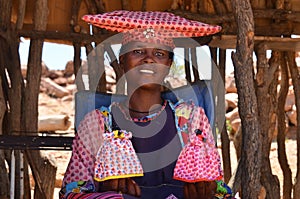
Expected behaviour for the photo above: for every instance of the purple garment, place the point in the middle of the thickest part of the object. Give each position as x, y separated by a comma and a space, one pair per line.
157, 145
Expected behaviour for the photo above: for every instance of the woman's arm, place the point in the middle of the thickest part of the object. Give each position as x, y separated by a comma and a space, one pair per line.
86, 143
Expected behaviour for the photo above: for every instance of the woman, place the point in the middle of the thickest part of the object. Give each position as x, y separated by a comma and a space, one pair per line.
144, 146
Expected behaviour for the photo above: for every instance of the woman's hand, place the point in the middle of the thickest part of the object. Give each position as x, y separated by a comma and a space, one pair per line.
123, 185
200, 190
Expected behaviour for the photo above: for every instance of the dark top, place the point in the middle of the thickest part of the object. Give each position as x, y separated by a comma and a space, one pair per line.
157, 145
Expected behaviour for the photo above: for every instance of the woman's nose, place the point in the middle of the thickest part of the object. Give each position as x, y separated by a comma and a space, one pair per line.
148, 58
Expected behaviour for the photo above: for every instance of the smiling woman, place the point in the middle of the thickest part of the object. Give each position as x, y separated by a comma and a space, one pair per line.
145, 145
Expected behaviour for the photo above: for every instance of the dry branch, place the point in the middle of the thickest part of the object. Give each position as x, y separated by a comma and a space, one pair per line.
81, 38
281, 138
296, 83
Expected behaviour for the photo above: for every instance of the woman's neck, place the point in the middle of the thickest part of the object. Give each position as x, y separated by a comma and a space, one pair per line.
144, 101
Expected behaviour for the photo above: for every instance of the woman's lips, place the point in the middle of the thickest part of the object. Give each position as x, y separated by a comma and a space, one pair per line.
146, 71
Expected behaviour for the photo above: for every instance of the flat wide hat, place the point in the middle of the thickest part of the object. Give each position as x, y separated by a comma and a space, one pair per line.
176, 26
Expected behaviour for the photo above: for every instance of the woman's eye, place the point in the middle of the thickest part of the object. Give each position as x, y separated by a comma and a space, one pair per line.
137, 51
160, 54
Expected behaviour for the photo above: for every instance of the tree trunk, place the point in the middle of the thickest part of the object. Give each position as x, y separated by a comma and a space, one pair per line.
31, 94
4, 188
282, 157
13, 82
250, 162
296, 83
264, 78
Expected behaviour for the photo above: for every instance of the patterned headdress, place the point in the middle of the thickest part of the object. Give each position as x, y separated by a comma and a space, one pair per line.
151, 27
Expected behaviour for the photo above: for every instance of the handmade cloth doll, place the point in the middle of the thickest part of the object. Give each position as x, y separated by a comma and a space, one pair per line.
116, 158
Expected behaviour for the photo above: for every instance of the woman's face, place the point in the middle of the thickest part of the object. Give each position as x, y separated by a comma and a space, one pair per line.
145, 65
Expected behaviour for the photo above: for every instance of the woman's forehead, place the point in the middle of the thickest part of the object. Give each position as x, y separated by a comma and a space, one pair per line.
138, 44
143, 45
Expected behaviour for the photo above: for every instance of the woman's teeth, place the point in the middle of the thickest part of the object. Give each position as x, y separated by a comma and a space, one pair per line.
147, 71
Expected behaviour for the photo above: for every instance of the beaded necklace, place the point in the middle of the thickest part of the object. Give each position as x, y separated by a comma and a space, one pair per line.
142, 119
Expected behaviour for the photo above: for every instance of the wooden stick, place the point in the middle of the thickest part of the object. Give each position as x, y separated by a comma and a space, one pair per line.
21, 14
81, 38
35, 172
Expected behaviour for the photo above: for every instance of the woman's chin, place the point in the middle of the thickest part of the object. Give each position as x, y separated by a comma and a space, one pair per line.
147, 86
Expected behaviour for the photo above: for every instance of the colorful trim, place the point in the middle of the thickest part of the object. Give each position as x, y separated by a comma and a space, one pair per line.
105, 195
197, 180
119, 176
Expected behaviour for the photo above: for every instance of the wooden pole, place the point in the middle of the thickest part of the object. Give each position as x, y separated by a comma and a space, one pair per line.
250, 163
295, 74
187, 65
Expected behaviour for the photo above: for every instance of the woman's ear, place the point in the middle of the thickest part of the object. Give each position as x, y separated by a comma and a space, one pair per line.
170, 62
121, 62
121, 59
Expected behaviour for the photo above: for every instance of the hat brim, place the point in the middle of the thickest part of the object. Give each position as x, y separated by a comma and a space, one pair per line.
124, 21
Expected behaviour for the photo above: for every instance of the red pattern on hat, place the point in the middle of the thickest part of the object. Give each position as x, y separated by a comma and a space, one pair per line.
151, 27
123, 21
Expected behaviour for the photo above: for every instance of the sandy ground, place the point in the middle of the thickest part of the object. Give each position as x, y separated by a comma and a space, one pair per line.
52, 106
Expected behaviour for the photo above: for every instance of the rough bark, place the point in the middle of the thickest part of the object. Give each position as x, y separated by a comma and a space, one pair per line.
250, 162
282, 157
264, 78
296, 83
4, 188
13, 82
31, 94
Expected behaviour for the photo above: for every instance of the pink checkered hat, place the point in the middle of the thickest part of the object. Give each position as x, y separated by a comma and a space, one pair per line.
151, 26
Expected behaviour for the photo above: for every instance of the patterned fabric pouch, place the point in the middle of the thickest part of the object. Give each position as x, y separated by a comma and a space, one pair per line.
116, 158
198, 161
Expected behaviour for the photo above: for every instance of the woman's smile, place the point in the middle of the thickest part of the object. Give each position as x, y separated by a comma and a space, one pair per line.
147, 71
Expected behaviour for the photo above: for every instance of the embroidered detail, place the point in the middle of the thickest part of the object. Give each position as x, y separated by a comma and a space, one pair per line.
148, 33
199, 134
80, 187
223, 191
119, 134
104, 111
183, 113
